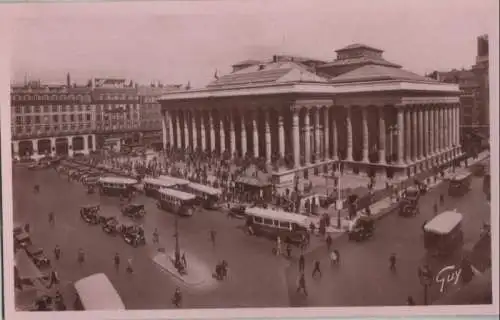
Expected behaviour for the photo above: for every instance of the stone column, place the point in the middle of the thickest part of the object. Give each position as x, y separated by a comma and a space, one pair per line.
267, 128
243, 135
164, 130
414, 130
432, 131
381, 135
212, 129
335, 138
326, 130
443, 129
85, 145
222, 134
281, 135
426, 132
170, 127
401, 132
186, 129
457, 125
317, 134
70, 146
296, 138
15, 149
195, 129
307, 137
232, 134
178, 129
437, 133
94, 147
203, 132
450, 127
255, 129
408, 128
349, 134
420, 132
364, 120
52, 147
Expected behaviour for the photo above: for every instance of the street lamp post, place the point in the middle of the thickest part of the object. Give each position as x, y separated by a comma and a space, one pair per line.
177, 254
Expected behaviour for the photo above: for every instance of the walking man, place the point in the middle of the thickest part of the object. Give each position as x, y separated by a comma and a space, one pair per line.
441, 199
81, 256
302, 263
302, 284
129, 266
392, 262
52, 219
316, 269
57, 252
213, 234
117, 261
435, 209
328, 242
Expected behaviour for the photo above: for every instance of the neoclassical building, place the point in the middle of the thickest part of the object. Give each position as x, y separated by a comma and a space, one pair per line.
360, 109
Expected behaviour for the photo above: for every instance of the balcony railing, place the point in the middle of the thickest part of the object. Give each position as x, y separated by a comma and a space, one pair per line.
47, 134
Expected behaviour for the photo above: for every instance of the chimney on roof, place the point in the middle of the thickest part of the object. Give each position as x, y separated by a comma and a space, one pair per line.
275, 58
261, 67
68, 80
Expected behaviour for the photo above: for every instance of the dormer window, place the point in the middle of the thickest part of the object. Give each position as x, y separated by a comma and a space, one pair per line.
261, 67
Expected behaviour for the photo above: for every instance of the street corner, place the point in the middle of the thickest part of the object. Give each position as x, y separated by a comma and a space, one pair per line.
199, 276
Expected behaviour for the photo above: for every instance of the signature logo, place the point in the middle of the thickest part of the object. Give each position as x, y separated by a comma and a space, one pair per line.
448, 275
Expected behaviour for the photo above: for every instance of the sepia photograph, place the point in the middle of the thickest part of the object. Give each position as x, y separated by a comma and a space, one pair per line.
251, 155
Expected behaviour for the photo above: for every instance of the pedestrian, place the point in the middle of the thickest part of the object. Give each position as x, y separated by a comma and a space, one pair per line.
177, 298
57, 252
316, 269
117, 261
183, 260
435, 209
129, 265
27, 228
278, 246
213, 234
81, 256
302, 263
423, 225
52, 219
392, 262
334, 258
312, 227
302, 284
441, 199
410, 301
288, 250
328, 242
156, 236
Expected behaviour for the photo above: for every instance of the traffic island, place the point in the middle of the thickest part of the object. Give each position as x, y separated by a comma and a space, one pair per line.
198, 273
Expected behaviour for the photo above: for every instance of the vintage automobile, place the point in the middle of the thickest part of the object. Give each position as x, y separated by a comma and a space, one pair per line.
21, 238
361, 228
111, 226
133, 210
37, 256
237, 211
90, 214
408, 206
133, 235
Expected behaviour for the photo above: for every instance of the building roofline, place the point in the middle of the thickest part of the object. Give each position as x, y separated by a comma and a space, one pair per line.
313, 88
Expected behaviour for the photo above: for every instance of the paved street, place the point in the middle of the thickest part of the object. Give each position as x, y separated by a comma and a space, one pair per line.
364, 279
256, 277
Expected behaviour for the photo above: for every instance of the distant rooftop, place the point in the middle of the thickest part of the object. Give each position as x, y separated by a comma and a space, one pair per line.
378, 73
355, 46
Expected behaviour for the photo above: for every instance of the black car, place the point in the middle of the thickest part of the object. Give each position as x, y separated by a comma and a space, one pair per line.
111, 226
90, 214
37, 256
133, 210
237, 212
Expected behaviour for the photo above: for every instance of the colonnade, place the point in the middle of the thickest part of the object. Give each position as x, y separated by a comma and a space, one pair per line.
310, 134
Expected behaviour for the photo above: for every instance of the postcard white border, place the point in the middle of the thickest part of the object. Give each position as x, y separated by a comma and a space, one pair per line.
10, 13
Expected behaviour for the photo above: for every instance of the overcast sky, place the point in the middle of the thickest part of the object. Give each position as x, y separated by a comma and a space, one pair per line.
180, 42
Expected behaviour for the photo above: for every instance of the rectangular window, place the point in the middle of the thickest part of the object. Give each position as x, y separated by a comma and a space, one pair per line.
80, 117
18, 110
71, 117
19, 120
37, 119
27, 109
54, 108
55, 118
27, 119
88, 117
46, 109
268, 221
37, 109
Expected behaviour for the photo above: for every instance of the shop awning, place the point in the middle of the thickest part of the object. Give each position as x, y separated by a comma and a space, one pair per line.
254, 182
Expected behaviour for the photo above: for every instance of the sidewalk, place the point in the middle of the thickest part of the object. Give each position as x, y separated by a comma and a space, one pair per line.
387, 205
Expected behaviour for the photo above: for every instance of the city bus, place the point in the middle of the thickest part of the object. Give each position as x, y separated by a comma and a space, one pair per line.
116, 186
273, 223
208, 197
178, 202
443, 235
177, 183
152, 186
459, 184
96, 292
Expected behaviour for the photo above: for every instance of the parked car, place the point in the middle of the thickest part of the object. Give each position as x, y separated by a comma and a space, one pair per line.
37, 256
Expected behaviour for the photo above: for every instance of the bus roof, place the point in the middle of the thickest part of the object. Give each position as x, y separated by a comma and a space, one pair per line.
96, 292
177, 194
461, 175
160, 182
173, 180
205, 189
117, 180
277, 215
443, 223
